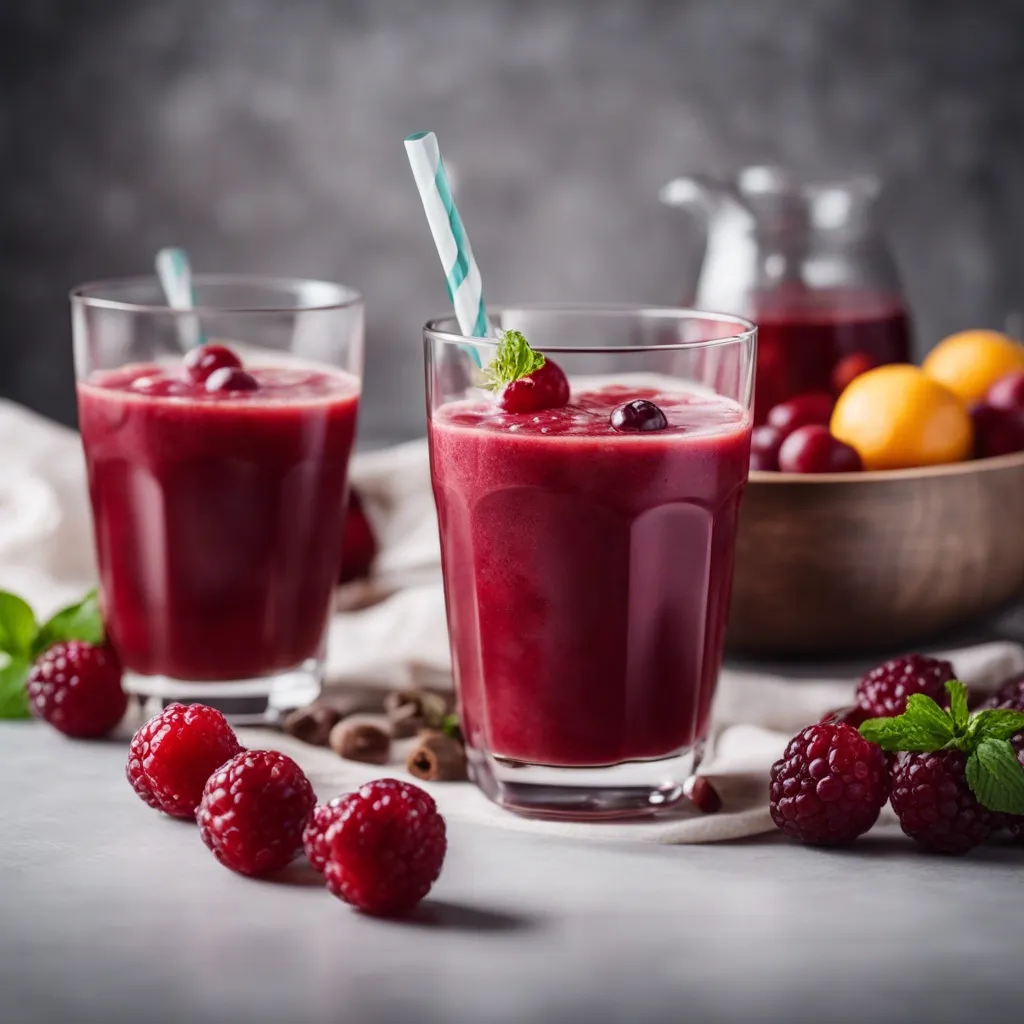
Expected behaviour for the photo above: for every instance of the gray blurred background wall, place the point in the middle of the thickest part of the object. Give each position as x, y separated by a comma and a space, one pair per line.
266, 135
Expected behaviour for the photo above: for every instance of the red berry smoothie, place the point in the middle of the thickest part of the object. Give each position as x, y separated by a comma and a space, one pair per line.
218, 512
588, 571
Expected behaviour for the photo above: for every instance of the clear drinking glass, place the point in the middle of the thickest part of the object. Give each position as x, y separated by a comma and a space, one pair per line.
218, 503
587, 570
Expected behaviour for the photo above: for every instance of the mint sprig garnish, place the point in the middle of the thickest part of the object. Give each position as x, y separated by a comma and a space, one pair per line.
513, 359
994, 774
22, 640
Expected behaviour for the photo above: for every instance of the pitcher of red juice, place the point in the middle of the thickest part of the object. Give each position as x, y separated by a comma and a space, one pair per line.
807, 263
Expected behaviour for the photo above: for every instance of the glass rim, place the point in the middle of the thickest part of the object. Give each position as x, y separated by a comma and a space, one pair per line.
86, 294
747, 328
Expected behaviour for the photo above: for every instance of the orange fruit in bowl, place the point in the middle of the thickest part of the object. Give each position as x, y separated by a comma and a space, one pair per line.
970, 362
896, 417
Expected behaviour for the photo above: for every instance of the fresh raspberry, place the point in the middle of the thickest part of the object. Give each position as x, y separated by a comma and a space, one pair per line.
76, 687
848, 716
829, 786
253, 811
546, 388
386, 847
1009, 696
935, 806
174, 753
883, 692
1015, 822
358, 544
323, 816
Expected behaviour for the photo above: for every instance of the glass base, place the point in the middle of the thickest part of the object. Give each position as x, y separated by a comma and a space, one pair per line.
260, 701
629, 790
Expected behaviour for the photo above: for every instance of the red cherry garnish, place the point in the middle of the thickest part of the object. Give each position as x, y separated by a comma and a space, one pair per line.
810, 407
546, 388
849, 367
765, 442
203, 360
812, 449
230, 378
1007, 392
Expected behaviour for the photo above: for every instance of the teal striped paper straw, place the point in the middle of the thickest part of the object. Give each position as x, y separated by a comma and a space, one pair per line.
175, 274
465, 287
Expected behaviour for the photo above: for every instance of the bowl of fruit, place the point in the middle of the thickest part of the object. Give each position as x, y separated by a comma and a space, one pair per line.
888, 511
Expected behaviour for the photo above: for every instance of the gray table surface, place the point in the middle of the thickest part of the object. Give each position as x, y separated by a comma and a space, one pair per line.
110, 912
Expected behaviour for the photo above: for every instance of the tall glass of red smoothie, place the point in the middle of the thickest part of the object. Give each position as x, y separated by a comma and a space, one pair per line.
217, 442
588, 470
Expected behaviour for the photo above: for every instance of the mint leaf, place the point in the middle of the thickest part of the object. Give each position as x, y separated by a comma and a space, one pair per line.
13, 695
17, 625
929, 719
996, 777
514, 359
923, 727
958, 705
900, 733
81, 621
995, 724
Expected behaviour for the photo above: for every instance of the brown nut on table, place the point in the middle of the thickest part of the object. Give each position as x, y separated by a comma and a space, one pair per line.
361, 741
437, 758
428, 708
311, 724
406, 721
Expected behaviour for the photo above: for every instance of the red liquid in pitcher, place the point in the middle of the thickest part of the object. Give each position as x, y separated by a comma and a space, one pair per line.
802, 335
218, 516
588, 572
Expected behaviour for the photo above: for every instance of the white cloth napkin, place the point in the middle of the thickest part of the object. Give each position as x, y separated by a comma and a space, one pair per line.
391, 631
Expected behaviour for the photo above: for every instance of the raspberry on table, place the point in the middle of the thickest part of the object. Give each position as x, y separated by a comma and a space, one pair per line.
935, 805
883, 692
175, 752
313, 841
385, 848
829, 786
76, 687
253, 811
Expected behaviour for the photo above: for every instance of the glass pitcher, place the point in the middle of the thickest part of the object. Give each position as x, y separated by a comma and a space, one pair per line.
806, 262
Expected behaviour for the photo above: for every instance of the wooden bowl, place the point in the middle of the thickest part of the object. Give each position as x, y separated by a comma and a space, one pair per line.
847, 564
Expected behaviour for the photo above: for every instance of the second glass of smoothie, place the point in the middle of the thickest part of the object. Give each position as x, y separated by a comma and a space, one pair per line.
587, 548
217, 443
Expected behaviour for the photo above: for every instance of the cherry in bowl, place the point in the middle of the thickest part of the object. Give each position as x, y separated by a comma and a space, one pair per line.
765, 442
810, 407
812, 449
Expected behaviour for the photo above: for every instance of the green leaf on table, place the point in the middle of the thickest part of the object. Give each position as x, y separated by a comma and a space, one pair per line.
13, 695
450, 727
958, 709
80, 621
996, 777
17, 625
